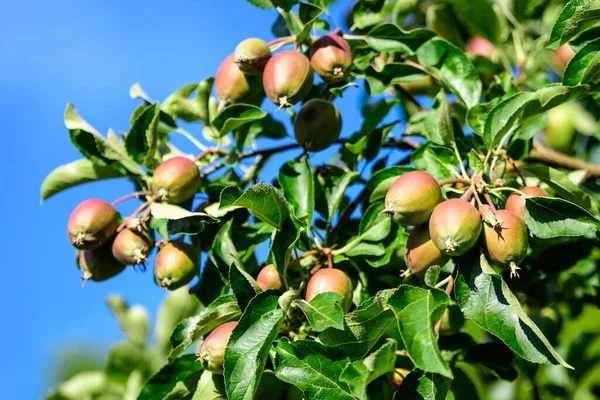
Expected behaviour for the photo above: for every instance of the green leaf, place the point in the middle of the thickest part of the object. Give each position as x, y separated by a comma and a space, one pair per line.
210, 387
297, 182
248, 347
485, 298
203, 99
445, 124
524, 105
264, 4
390, 37
262, 200
362, 327
235, 116
309, 14
374, 227
180, 220
175, 380
432, 274
333, 185
549, 217
575, 17
362, 372
475, 162
417, 311
313, 368
95, 147
178, 305
477, 115
480, 18
392, 74
496, 356
323, 311
140, 142
451, 67
441, 18
584, 66
243, 285
380, 182
191, 329
439, 161
75, 173
282, 244
423, 385
178, 105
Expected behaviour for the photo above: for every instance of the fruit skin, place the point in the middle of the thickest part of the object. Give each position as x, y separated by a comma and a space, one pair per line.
99, 264
452, 320
481, 46
212, 350
420, 252
287, 78
176, 265
330, 280
232, 85
317, 125
455, 226
251, 56
507, 244
330, 57
560, 132
412, 198
563, 55
131, 247
91, 224
176, 180
516, 202
399, 376
268, 278
269, 387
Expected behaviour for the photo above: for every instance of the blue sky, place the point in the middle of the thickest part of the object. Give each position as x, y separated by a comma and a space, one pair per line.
90, 53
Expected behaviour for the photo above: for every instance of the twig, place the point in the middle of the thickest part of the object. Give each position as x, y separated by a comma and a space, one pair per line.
455, 180
130, 196
192, 139
449, 288
556, 159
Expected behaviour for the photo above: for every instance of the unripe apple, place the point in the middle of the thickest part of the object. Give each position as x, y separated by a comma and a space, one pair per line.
251, 56
330, 280
268, 278
452, 320
91, 224
176, 180
507, 242
131, 247
563, 55
234, 86
516, 202
412, 197
398, 376
212, 349
176, 265
481, 46
269, 387
330, 57
454, 226
99, 264
420, 252
287, 78
560, 131
317, 125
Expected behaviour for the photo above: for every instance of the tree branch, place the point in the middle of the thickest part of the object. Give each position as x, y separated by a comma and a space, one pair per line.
556, 159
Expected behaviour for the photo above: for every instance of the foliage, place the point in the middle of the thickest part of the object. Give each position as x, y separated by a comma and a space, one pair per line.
473, 116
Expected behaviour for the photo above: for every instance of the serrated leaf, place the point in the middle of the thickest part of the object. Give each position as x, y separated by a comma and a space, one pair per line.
235, 116
391, 74
549, 217
423, 385
248, 347
312, 368
191, 329
390, 37
451, 67
175, 380
282, 244
439, 161
479, 16
584, 66
432, 274
297, 182
141, 140
264, 4
475, 162
323, 311
210, 387
309, 15
333, 185
180, 220
203, 99
243, 285
485, 298
262, 200
445, 124
575, 17
73, 174
362, 327
417, 311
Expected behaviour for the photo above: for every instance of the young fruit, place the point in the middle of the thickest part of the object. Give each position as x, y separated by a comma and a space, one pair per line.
269, 387
232, 85
131, 247
268, 278
560, 131
507, 242
330, 280
481, 46
317, 125
175, 180
412, 198
398, 376
251, 56
563, 55
212, 350
91, 224
330, 57
454, 226
516, 202
287, 78
452, 320
99, 264
420, 252
176, 265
